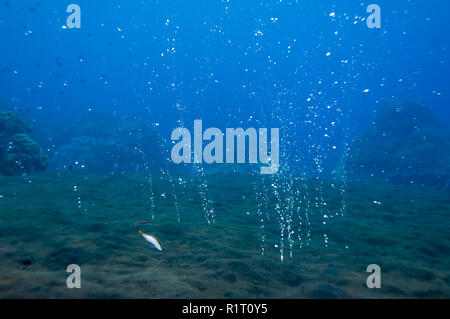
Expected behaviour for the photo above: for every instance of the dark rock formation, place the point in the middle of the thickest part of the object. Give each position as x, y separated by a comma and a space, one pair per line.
100, 142
405, 143
89, 153
18, 152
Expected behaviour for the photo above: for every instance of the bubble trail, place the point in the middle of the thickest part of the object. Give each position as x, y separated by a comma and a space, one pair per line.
207, 204
77, 196
165, 171
261, 207
148, 173
342, 175
149, 179
307, 201
281, 219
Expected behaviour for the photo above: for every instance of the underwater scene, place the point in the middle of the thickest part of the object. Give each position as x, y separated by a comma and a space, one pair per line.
224, 149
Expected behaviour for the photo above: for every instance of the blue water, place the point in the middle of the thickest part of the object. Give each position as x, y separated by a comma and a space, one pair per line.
102, 101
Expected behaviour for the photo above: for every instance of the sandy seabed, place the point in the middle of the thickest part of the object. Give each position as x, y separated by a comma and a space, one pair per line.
50, 221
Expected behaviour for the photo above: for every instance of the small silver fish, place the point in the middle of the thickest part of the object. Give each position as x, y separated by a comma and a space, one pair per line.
152, 240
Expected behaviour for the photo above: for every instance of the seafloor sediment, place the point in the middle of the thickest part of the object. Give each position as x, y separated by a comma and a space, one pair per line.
50, 221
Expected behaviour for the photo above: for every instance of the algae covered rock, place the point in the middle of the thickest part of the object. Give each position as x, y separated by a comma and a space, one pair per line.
11, 124
405, 143
18, 152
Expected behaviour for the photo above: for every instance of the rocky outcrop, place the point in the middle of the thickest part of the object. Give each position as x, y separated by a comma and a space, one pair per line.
405, 143
89, 154
18, 152
100, 142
